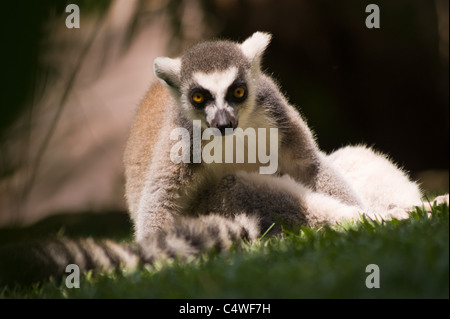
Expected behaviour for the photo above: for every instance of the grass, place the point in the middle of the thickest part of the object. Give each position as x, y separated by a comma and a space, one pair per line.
412, 256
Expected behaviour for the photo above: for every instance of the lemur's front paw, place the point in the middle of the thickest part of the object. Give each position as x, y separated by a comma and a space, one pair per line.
398, 213
393, 211
443, 199
439, 200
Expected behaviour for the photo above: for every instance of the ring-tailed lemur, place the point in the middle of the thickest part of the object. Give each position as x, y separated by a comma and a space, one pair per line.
181, 208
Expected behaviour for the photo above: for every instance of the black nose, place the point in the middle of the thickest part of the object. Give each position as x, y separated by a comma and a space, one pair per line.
223, 120
224, 126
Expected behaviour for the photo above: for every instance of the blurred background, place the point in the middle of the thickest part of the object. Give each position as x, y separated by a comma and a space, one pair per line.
69, 95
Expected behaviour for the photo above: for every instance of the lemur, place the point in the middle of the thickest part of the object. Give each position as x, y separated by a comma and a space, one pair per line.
180, 209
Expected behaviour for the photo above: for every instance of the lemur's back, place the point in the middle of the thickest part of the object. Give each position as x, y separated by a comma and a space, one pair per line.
149, 119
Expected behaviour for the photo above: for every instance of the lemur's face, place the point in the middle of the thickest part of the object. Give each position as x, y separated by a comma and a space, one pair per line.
215, 82
217, 86
218, 97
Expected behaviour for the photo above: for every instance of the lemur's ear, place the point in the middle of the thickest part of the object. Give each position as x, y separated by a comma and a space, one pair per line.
254, 47
168, 70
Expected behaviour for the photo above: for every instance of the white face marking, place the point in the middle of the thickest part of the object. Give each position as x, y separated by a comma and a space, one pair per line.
217, 83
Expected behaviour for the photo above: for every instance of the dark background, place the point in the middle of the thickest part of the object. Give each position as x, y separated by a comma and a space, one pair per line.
386, 87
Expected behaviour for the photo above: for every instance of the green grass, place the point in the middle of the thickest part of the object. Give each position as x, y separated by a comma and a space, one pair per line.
412, 255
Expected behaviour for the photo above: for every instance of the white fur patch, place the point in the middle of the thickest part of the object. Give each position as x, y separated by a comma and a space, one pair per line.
254, 46
378, 181
167, 69
217, 83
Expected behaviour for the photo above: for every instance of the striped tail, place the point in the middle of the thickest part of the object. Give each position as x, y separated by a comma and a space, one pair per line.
26, 263
31, 262
192, 236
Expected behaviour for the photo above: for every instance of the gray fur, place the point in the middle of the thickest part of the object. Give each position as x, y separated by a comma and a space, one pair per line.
177, 189
208, 57
27, 262
33, 262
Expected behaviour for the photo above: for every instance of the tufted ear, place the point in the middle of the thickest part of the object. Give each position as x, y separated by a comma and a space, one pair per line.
168, 71
254, 47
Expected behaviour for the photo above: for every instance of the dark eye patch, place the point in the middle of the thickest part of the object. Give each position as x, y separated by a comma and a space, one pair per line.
194, 95
237, 92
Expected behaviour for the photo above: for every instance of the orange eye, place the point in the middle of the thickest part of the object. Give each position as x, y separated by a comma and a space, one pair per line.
198, 97
239, 92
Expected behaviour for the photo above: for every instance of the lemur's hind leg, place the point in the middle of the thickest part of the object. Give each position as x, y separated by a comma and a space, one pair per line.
443, 199
278, 200
439, 200
385, 189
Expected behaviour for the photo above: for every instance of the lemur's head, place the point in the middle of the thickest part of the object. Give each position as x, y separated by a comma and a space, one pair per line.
215, 82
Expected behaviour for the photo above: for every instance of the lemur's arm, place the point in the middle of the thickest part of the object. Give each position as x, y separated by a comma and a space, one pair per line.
300, 156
